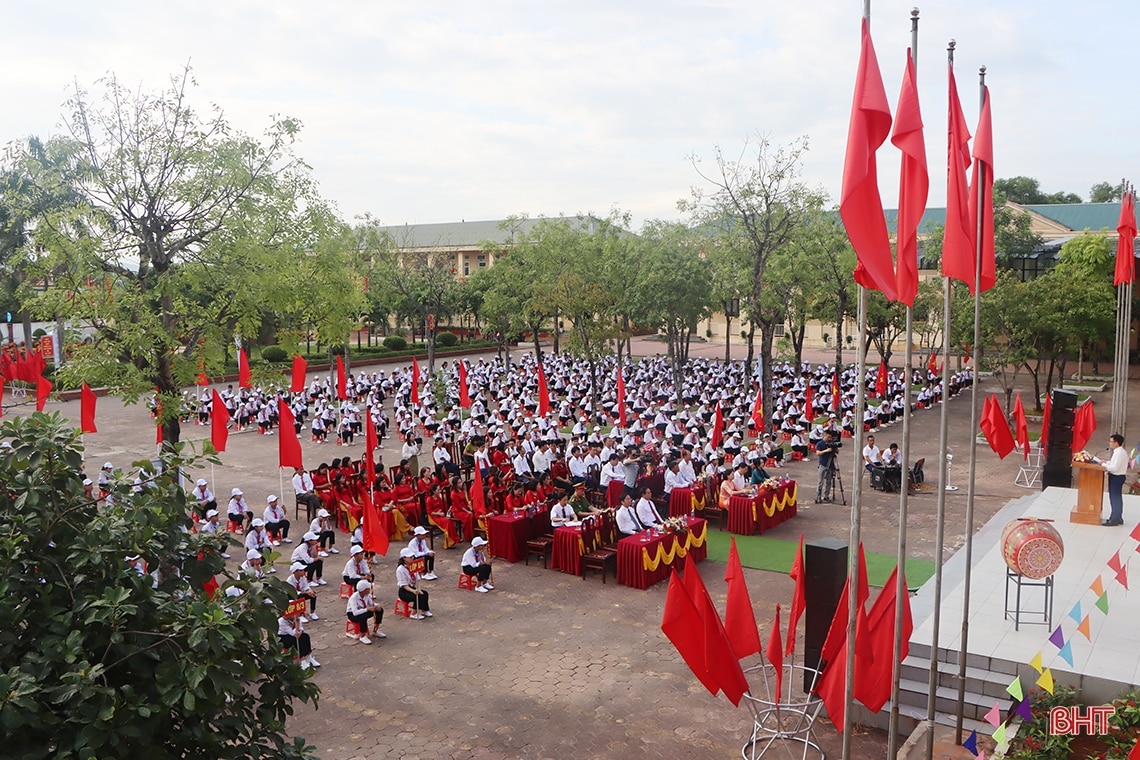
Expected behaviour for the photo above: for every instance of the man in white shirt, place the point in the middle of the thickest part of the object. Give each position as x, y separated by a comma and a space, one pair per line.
627, 521
204, 496
1117, 469
420, 548
305, 491
872, 457
674, 478
540, 459
647, 513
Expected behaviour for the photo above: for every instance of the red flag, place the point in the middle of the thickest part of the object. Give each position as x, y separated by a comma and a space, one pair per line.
681, 624
1045, 419
1125, 250
739, 621
288, 445
415, 381
87, 410
757, 415
341, 379
43, 390
157, 418
622, 417
832, 686
982, 199
244, 380
881, 380
1021, 426
370, 444
799, 596
859, 205
932, 365
7, 366
300, 367
958, 237
722, 667
375, 537
464, 393
219, 423
809, 403
914, 184
775, 653
478, 500
996, 428
1084, 425
2, 395
718, 428
836, 394
543, 393
202, 379
873, 684
837, 633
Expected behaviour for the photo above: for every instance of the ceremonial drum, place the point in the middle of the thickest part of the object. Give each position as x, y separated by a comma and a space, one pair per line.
1032, 548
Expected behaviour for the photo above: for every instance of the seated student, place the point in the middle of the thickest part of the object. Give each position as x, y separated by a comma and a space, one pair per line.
419, 547
800, 445
275, 521
562, 513
237, 511
357, 567
293, 636
300, 583
438, 512
325, 529
361, 608
476, 562
408, 590
627, 521
306, 554
203, 497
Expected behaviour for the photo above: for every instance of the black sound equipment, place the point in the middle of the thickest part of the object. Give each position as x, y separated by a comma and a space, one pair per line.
1058, 469
825, 571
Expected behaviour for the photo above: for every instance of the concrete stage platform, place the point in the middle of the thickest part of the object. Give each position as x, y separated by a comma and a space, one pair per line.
1102, 667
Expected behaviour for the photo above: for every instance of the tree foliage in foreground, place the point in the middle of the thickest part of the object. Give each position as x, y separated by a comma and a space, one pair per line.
97, 661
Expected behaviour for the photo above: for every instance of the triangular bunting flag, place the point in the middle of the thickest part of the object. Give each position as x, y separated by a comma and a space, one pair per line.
1035, 663
999, 735
1136, 533
993, 717
1057, 639
1122, 577
1046, 680
1014, 688
1075, 613
1025, 711
1102, 603
1097, 586
1067, 653
1085, 629
971, 743
1114, 563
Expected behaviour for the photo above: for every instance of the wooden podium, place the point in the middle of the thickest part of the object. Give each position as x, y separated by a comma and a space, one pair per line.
1090, 493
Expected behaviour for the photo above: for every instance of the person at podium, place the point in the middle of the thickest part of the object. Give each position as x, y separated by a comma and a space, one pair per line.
1117, 469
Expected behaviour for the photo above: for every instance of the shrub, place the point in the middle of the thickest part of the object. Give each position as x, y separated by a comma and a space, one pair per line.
446, 339
274, 354
337, 349
395, 343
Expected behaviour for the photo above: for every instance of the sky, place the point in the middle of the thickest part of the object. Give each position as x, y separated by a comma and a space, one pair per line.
450, 111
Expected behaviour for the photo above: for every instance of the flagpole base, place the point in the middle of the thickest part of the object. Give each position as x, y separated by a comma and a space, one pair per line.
779, 721
951, 488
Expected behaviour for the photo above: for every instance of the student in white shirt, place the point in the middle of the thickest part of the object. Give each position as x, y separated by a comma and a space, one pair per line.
361, 608
420, 548
476, 562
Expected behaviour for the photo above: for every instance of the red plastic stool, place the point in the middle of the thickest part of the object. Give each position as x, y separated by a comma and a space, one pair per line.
402, 608
233, 526
350, 627
846, 434
345, 590
467, 581
770, 462
797, 456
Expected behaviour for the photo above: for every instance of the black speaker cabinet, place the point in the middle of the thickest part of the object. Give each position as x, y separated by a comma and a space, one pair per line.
825, 571
1058, 470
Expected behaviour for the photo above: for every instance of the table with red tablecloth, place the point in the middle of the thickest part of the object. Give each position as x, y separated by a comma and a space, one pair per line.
566, 553
508, 533
681, 500
645, 558
767, 509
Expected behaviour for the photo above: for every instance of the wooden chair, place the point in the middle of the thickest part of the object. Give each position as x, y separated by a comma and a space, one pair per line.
543, 546
598, 556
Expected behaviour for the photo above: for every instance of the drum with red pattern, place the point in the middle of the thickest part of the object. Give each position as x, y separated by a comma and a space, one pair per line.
1032, 548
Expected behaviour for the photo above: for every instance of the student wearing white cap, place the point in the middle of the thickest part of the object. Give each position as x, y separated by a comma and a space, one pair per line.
237, 511
407, 589
304, 589
204, 497
357, 568
252, 567
276, 522
105, 475
306, 555
476, 562
361, 608
292, 635
419, 547
325, 530
258, 537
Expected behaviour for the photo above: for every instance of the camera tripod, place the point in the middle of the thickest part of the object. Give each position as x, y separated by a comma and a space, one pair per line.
836, 479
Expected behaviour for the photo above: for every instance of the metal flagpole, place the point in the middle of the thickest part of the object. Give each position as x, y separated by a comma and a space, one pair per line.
940, 509
904, 481
971, 487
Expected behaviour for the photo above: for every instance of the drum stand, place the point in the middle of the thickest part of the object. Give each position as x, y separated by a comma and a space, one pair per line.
1022, 582
781, 719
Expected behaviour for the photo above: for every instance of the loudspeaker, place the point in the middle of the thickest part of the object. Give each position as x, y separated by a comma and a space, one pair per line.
1058, 469
825, 571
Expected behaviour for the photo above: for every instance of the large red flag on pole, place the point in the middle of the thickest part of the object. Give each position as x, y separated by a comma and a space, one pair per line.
375, 536
681, 624
775, 654
1126, 234
757, 415
718, 428
622, 415
288, 446
873, 684
836, 394
478, 500
543, 393
1084, 425
958, 236
341, 379
860, 205
722, 667
982, 197
297, 381
914, 184
799, 596
415, 396
739, 620
464, 392
244, 379
43, 390
219, 423
1045, 420
1021, 426
996, 428
87, 410
881, 380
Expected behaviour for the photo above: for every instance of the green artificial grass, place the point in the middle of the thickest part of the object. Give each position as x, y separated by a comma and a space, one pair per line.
774, 554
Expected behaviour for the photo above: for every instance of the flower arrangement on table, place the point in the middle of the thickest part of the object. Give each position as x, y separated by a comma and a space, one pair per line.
674, 525
772, 484
1083, 457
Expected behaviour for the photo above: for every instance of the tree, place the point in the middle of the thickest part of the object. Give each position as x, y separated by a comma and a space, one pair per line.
100, 661
182, 223
829, 254
1104, 192
885, 323
1027, 190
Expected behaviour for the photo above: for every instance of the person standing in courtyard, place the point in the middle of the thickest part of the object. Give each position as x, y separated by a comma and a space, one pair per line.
825, 456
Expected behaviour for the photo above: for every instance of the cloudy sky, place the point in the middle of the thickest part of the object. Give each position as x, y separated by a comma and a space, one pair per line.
478, 110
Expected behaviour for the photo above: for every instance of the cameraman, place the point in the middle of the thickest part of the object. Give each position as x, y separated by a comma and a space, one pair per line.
826, 451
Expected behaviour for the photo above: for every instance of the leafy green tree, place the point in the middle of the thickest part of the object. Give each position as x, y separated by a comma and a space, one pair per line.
828, 254
99, 661
1027, 190
885, 323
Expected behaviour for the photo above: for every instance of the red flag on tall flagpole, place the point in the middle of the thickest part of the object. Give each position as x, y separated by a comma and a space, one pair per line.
202, 379
219, 423
1125, 249
244, 380
723, 668
375, 536
832, 686
1021, 426
982, 197
836, 394
1084, 425
370, 444
809, 403
799, 596
7, 367
87, 410
757, 415
464, 392
157, 418
837, 632
718, 428
297, 381
932, 365
2, 379
543, 393
860, 205
682, 625
775, 653
914, 184
341, 379
1045, 420
622, 415
478, 497
739, 620
873, 684
996, 428
881, 380
43, 390
288, 447
958, 236
415, 381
